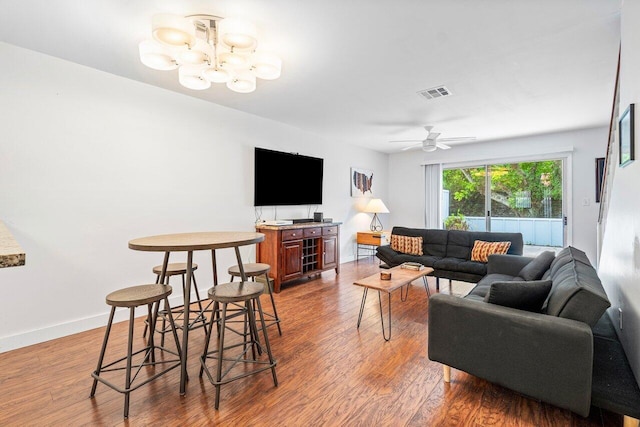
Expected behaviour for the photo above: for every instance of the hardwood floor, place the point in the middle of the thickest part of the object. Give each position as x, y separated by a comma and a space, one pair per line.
329, 373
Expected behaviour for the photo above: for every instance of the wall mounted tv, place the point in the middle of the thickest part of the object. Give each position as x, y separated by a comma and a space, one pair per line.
286, 179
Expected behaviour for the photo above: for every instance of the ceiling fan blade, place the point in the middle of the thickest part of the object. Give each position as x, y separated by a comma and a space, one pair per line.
408, 140
458, 139
433, 136
442, 146
411, 147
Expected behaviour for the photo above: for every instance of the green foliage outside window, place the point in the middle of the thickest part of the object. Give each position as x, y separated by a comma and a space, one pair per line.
456, 222
528, 189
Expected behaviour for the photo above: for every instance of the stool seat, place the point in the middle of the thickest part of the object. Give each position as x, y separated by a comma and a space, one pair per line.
236, 291
131, 298
175, 268
138, 295
252, 269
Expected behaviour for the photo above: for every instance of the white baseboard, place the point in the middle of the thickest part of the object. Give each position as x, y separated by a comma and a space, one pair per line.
64, 329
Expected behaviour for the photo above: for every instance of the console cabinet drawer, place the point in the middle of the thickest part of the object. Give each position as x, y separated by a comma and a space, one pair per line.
329, 231
313, 232
292, 235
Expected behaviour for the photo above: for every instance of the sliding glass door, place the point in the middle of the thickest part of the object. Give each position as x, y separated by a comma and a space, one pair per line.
525, 197
464, 198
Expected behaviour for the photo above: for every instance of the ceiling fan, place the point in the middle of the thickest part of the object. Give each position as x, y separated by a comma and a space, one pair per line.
433, 142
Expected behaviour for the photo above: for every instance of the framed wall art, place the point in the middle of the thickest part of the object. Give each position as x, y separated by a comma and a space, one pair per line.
627, 130
361, 182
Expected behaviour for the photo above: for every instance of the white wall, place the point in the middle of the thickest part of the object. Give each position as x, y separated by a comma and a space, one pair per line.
620, 257
406, 182
89, 160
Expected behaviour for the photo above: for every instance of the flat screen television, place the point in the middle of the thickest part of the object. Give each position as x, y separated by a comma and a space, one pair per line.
286, 179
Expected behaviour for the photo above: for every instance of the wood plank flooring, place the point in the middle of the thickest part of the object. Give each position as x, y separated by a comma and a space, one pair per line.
329, 373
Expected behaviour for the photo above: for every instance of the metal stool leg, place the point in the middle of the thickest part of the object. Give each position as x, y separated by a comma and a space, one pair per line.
129, 357
104, 347
203, 359
273, 303
220, 351
266, 343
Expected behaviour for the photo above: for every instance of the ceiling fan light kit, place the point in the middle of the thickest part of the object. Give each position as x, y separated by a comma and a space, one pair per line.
208, 49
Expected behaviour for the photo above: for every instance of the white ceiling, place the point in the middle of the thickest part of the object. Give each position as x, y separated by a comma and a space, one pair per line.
352, 68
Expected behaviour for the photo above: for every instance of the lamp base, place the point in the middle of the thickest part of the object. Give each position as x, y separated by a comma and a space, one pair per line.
376, 225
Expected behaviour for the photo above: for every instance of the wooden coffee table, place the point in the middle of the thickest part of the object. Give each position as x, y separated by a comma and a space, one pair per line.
399, 277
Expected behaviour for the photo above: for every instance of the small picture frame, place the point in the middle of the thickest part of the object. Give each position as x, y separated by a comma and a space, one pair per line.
627, 129
599, 177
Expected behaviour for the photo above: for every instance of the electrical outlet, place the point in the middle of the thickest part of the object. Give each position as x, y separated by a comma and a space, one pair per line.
620, 317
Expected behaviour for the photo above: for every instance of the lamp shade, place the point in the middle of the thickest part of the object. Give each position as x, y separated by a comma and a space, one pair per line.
267, 66
173, 30
199, 54
156, 56
237, 34
242, 83
376, 206
190, 76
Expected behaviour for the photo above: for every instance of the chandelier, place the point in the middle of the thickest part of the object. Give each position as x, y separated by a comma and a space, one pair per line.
208, 49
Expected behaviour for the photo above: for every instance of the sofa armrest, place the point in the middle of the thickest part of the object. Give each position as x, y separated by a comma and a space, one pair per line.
507, 264
386, 254
545, 357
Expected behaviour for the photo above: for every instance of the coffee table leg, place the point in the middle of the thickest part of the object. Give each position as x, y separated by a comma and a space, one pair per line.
382, 316
405, 295
364, 299
426, 285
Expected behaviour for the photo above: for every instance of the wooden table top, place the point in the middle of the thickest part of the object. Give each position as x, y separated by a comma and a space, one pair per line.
195, 241
399, 277
11, 254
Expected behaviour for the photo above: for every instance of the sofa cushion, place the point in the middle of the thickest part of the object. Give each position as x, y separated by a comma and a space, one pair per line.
427, 261
481, 250
434, 242
536, 268
460, 242
461, 265
523, 295
479, 291
564, 257
497, 277
406, 244
577, 292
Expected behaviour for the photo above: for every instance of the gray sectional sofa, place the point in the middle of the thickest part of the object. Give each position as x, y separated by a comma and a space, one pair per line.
527, 325
448, 252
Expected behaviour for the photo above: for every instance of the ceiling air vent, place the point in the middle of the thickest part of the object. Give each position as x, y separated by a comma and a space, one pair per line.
435, 92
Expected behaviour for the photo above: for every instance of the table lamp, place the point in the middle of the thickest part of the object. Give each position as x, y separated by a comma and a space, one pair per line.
375, 206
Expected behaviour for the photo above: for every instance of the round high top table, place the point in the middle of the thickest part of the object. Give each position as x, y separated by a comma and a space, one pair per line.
189, 242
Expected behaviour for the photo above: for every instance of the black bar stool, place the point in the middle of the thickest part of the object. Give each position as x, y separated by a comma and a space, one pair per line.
234, 293
133, 297
198, 318
254, 270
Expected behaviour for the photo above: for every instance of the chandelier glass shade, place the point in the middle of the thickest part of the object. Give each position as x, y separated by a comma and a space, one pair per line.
208, 49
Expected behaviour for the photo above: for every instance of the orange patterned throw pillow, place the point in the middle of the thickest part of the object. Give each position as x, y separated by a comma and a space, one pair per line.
406, 244
481, 250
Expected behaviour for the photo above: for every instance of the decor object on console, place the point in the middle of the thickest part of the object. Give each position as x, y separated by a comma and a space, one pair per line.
206, 49
376, 206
